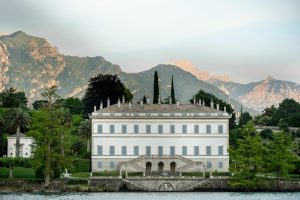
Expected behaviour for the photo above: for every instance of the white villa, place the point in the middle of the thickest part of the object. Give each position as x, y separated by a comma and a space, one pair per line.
26, 144
160, 138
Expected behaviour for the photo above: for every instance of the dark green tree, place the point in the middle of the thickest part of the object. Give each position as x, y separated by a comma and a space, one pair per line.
11, 98
244, 118
206, 97
173, 92
281, 156
84, 130
155, 88
289, 110
74, 105
38, 104
102, 87
247, 160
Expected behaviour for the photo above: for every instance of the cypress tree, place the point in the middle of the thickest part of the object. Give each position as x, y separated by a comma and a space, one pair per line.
144, 99
155, 88
172, 92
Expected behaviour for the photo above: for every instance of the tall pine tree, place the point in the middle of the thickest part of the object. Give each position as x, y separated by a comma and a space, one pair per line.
172, 92
155, 88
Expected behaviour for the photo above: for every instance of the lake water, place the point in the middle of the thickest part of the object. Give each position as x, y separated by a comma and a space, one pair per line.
155, 196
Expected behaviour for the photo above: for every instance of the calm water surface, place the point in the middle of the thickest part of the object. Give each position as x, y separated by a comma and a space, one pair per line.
152, 196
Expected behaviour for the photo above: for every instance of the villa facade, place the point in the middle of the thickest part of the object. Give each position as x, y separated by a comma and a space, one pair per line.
26, 145
160, 138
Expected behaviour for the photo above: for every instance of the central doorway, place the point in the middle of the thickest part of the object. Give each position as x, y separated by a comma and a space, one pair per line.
160, 167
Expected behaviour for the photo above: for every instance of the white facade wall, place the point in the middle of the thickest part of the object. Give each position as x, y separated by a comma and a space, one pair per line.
156, 139
25, 147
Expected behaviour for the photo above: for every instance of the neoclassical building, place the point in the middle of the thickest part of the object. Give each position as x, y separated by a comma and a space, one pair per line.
160, 138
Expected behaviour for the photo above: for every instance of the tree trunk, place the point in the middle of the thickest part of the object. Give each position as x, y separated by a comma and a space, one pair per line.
88, 144
62, 143
18, 142
47, 168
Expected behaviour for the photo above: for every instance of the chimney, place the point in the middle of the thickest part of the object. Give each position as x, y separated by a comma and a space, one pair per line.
170, 100
199, 102
129, 105
225, 109
108, 102
123, 99
148, 100
119, 103
101, 105
211, 104
194, 101
218, 107
203, 102
177, 104
159, 100
95, 108
141, 104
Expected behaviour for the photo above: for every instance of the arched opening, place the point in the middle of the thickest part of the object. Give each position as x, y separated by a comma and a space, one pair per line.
160, 167
148, 167
173, 167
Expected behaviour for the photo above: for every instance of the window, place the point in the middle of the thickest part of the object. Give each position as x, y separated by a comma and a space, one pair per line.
112, 165
172, 150
208, 129
196, 150
208, 150
220, 150
196, 128
112, 129
148, 129
209, 165
136, 128
183, 128
99, 165
111, 150
160, 150
136, 150
172, 128
99, 129
99, 150
124, 150
220, 165
184, 150
160, 129
148, 150
124, 128
220, 129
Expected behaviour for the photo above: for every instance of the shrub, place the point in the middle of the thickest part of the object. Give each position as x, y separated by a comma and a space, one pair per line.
81, 165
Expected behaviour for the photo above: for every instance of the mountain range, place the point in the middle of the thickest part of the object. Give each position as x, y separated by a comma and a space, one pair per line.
31, 64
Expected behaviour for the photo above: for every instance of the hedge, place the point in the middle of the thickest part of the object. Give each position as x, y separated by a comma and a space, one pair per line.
81, 165
16, 162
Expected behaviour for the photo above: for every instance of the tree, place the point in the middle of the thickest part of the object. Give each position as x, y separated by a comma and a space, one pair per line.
74, 105
38, 104
289, 110
11, 98
206, 97
247, 159
280, 156
155, 88
16, 119
245, 118
49, 155
173, 92
51, 96
84, 130
102, 87
144, 99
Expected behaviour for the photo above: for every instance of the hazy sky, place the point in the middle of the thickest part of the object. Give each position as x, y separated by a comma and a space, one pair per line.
245, 39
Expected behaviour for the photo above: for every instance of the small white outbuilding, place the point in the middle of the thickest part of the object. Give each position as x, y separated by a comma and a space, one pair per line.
26, 145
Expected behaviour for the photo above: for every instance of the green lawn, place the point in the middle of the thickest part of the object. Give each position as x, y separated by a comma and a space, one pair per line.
18, 172
81, 175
